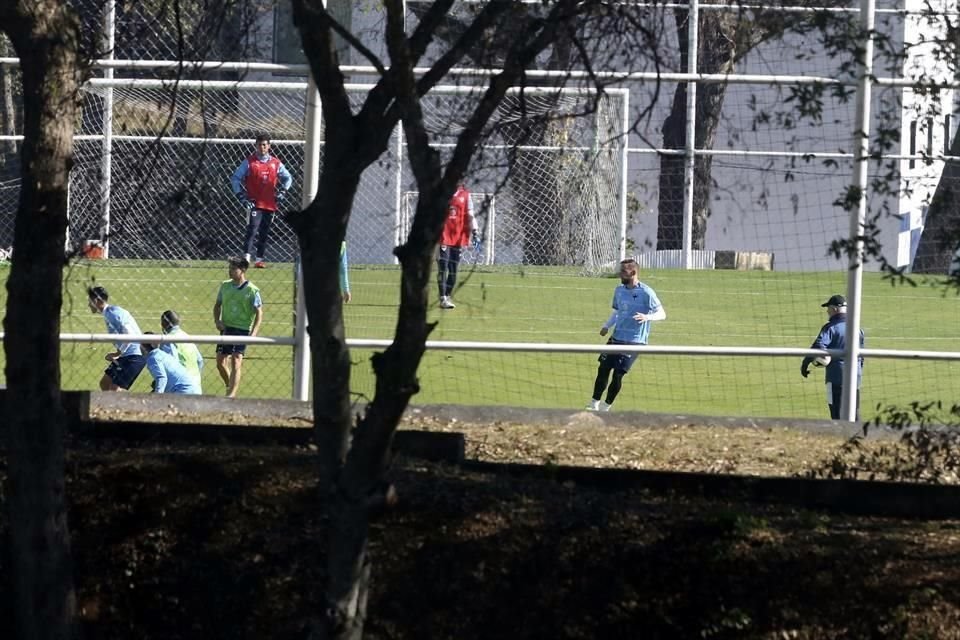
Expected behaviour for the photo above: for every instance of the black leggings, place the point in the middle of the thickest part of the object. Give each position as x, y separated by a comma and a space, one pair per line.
447, 262
603, 374
258, 220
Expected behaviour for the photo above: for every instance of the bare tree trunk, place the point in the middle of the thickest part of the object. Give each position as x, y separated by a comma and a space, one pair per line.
717, 54
45, 33
352, 469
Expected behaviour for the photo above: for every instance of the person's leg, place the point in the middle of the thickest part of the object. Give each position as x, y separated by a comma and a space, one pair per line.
603, 375
442, 262
615, 385
222, 368
621, 364
236, 362
253, 224
106, 383
834, 398
453, 263
266, 222
122, 373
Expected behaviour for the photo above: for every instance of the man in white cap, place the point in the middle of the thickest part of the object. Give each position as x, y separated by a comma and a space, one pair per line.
833, 335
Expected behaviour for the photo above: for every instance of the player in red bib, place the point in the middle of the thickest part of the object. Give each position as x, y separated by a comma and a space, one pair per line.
459, 228
260, 183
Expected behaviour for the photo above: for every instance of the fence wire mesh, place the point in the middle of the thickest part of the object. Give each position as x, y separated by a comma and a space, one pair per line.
770, 181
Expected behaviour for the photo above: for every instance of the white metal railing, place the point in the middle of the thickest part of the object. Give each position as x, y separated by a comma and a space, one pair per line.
525, 347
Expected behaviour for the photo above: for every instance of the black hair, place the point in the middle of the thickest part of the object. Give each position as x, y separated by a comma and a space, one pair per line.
262, 137
97, 293
169, 318
236, 261
149, 346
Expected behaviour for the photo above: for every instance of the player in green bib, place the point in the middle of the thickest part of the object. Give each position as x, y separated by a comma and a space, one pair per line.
238, 312
186, 353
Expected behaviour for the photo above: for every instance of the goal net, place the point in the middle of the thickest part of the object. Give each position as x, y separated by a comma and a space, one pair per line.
554, 162
154, 183
161, 190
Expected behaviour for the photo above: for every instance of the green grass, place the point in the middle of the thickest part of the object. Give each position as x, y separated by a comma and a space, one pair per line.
725, 308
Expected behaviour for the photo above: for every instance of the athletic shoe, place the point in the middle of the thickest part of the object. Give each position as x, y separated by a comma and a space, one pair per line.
593, 405
247, 257
447, 303
260, 264
604, 407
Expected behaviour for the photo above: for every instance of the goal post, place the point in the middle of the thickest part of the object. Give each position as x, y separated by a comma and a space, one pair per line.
553, 162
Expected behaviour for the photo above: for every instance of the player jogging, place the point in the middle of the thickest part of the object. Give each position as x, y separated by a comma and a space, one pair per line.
635, 306
126, 362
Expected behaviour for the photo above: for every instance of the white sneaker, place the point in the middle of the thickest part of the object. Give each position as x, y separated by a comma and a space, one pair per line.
246, 257
593, 405
447, 303
604, 407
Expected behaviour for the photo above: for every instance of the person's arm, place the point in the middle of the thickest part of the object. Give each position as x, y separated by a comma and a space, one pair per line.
216, 312
284, 177
659, 314
115, 324
611, 321
257, 320
236, 181
344, 276
159, 374
818, 343
470, 214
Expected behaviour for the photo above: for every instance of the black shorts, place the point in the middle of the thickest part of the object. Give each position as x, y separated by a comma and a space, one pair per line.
231, 349
124, 370
619, 361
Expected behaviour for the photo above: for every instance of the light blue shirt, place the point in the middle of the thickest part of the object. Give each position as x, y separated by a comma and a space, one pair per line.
119, 320
284, 179
344, 263
169, 374
628, 302
184, 352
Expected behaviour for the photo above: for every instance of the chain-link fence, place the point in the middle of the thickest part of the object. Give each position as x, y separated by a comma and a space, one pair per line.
769, 190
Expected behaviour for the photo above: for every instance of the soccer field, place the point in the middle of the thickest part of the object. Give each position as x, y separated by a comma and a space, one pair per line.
721, 308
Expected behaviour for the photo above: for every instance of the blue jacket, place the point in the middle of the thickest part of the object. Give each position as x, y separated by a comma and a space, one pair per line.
833, 335
169, 375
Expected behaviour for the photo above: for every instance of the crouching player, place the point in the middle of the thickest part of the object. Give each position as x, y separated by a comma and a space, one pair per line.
169, 376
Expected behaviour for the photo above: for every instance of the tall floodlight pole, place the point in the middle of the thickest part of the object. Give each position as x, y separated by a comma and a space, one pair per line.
858, 216
106, 162
311, 182
690, 145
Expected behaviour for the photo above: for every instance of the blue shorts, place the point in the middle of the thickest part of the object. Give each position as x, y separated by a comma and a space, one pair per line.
231, 349
124, 370
618, 361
